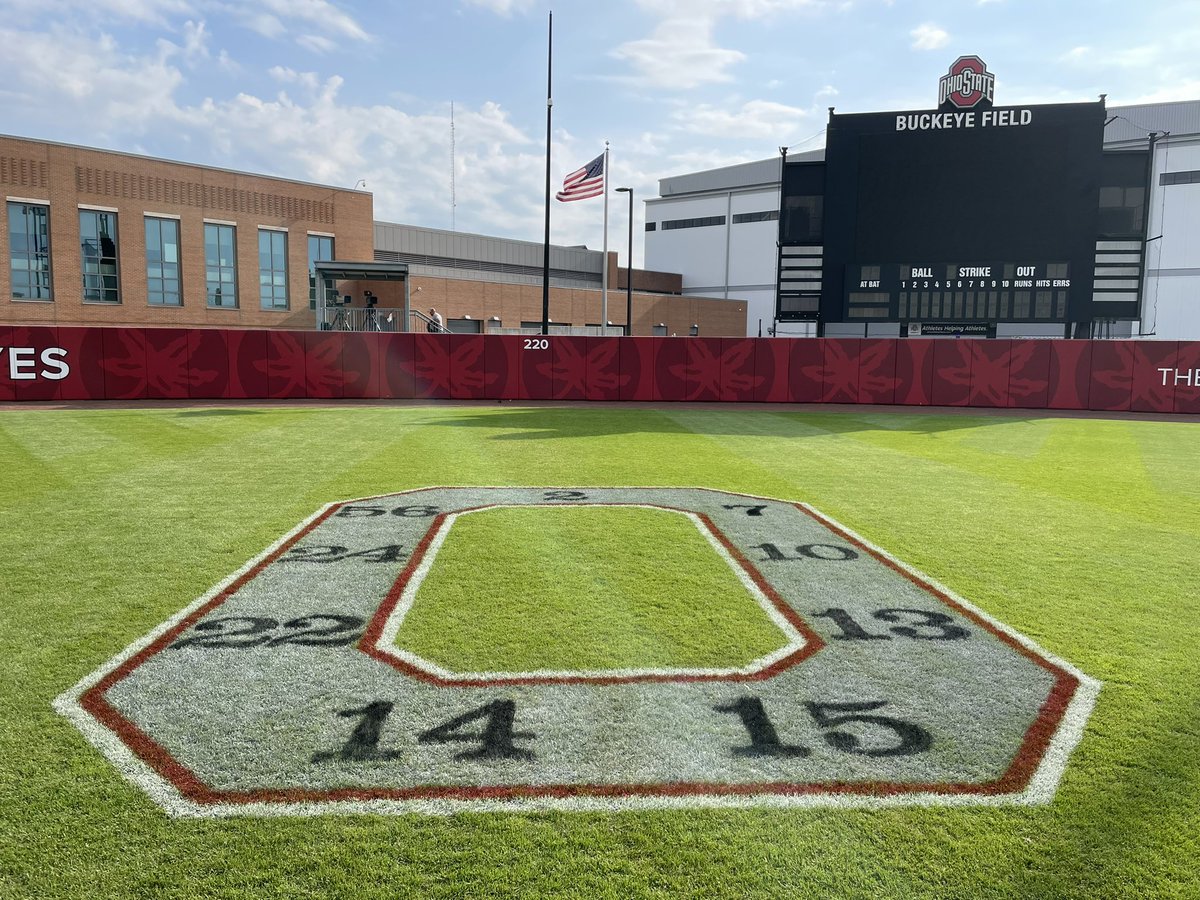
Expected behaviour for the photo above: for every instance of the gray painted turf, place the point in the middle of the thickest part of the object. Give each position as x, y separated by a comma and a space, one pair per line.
248, 719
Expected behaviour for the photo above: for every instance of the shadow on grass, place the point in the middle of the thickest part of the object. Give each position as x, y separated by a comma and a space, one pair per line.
524, 423
190, 413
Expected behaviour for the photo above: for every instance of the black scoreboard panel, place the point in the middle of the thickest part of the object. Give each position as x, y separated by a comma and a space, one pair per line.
959, 292
1009, 196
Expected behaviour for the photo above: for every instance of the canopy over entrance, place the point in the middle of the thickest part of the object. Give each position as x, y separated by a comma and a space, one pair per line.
359, 309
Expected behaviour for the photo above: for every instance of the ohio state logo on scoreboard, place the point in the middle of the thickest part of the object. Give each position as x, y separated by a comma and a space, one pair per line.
967, 84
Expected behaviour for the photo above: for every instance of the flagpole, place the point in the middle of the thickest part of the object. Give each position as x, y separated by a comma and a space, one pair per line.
546, 244
604, 270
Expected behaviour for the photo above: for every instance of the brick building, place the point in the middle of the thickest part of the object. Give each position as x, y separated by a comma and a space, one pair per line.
95, 237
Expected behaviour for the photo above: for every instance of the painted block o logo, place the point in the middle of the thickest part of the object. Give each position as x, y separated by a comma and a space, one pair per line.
967, 84
353, 666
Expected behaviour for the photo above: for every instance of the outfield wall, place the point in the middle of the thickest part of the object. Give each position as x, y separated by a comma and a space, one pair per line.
179, 364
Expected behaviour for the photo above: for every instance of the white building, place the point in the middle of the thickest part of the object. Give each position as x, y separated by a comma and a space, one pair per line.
719, 228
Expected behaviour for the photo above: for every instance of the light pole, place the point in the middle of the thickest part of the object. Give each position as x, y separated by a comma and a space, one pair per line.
629, 268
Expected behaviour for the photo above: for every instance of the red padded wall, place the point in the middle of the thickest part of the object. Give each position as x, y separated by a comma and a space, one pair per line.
85, 350
1149, 393
431, 366
169, 363
124, 363
952, 372
37, 339
248, 364
8, 387
1186, 378
1070, 374
208, 363
468, 368
771, 357
739, 378
397, 366
804, 370
877, 371
990, 362
839, 370
1029, 374
569, 367
1112, 376
605, 375
914, 372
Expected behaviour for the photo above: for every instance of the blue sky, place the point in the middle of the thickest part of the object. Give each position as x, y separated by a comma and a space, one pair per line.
335, 92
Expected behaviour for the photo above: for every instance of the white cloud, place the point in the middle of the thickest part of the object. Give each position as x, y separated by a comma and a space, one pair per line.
1179, 90
928, 36
680, 55
754, 120
318, 12
504, 7
741, 9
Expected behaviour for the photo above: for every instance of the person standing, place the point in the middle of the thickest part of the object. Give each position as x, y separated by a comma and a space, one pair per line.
435, 321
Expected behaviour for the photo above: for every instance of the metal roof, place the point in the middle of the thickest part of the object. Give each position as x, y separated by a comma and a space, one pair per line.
1133, 123
760, 173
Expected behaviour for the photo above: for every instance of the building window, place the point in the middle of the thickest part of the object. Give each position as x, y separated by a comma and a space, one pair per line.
320, 249
98, 240
272, 269
220, 264
651, 226
700, 222
769, 215
29, 251
1192, 177
162, 262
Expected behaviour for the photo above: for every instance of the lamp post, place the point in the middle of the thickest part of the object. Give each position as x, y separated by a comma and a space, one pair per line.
629, 268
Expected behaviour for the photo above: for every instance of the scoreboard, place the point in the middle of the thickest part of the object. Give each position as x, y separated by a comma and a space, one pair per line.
960, 292
961, 216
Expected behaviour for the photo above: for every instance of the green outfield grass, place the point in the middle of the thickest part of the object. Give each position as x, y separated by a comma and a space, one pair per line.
1082, 534
589, 589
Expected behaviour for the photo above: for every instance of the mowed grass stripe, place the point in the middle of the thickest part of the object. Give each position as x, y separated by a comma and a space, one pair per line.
115, 541
585, 589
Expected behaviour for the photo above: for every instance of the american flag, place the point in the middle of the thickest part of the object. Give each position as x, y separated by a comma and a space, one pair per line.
585, 182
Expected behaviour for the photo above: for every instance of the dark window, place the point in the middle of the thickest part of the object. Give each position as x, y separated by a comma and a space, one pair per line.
693, 223
1192, 177
650, 226
320, 249
220, 264
272, 269
98, 242
29, 251
770, 215
1123, 194
803, 203
162, 262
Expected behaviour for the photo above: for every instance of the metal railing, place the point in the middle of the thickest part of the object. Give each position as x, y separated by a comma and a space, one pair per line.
357, 318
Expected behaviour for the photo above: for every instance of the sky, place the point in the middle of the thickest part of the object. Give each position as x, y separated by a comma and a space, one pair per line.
342, 92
